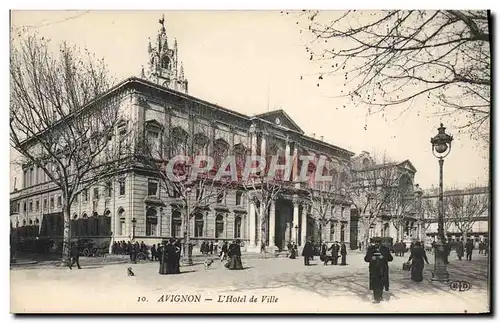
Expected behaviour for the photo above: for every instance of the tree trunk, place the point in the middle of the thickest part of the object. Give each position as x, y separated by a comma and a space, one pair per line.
66, 234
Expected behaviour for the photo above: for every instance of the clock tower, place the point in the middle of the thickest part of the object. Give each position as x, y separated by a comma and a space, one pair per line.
164, 67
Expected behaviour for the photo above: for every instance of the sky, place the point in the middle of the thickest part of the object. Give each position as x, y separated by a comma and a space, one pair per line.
252, 62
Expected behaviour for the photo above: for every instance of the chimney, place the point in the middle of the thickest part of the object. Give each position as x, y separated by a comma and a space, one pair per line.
313, 135
321, 138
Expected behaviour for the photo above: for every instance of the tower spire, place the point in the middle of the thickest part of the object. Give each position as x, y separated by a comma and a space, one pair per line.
164, 61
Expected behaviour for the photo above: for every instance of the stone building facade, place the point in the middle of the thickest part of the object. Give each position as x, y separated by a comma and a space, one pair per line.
135, 203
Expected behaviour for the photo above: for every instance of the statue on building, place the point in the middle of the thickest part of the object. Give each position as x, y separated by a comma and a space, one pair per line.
164, 67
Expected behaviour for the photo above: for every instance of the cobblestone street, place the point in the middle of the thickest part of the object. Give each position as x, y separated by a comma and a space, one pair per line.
298, 288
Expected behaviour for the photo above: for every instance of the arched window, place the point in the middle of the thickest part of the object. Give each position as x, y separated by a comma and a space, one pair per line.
24, 222
366, 162
198, 225
31, 222
200, 144
176, 223
37, 222
95, 214
107, 213
240, 156
121, 215
165, 62
179, 141
237, 227
75, 216
221, 149
85, 216
342, 232
219, 226
151, 221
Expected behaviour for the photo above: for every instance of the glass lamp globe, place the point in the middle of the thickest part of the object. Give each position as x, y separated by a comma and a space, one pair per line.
441, 148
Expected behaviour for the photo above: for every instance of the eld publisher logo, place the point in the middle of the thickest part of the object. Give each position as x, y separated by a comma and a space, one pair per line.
460, 286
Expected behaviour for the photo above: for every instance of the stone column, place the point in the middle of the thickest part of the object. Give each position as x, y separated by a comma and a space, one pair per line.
295, 219
303, 228
263, 145
272, 224
251, 224
205, 225
295, 167
287, 155
225, 225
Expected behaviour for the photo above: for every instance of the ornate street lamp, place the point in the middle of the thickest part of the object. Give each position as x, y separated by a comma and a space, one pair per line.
134, 221
441, 147
188, 261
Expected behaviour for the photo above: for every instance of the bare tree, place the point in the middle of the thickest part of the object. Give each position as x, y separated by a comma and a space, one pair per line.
370, 193
392, 57
58, 123
431, 211
263, 191
464, 208
182, 165
401, 203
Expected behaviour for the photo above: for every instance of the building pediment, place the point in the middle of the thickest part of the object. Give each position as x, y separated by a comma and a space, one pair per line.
281, 119
408, 166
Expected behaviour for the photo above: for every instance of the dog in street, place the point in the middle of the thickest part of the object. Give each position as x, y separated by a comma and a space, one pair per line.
130, 272
208, 263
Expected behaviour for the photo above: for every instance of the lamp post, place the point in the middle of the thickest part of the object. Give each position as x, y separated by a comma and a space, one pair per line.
187, 261
296, 234
134, 221
441, 147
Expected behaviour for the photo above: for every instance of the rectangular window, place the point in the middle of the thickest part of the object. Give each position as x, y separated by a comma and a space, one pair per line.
24, 207
45, 203
96, 193
152, 188
238, 198
122, 227
85, 196
37, 205
59, 201
52, 202
220, 198
199, 194
76, 197
109, 189
31, 206
122, 187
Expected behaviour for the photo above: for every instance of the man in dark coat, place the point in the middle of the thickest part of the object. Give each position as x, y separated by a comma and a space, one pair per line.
307, 252
322, 255
460, 249
378, 256
75, 255
335, 253
223, 254
343, 253
469, 246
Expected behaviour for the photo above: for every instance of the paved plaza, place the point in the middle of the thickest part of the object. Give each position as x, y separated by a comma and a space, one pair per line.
289, 285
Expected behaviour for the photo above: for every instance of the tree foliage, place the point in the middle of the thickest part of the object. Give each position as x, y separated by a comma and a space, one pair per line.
390, 58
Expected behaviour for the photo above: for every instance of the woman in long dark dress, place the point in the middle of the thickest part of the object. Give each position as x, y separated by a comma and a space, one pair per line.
234, 254
293, 251
168, 263
417, 257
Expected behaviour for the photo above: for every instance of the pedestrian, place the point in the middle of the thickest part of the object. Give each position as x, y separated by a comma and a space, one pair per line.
169, 259
153, 252
234, 254
75, 255
343, 253
211, 247
460, 249
469, 246
378, 257
323, 257
335, 252
223, 254
293, 251
417, 258
307, 252
262, 250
